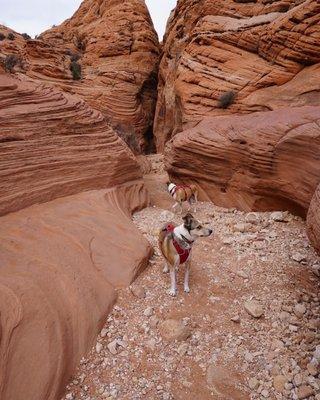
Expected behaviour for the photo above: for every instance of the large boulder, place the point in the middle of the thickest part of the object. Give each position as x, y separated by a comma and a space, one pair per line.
263, 52
260, 161
313, 220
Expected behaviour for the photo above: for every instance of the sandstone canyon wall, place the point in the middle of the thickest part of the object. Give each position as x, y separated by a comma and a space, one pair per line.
60, 260
117, 49
68, 186
267, 55
261, 161
257, 49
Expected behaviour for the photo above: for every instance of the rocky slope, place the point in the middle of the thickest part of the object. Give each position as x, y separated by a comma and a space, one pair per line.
262, 51
313, 220
117, 48
261, 161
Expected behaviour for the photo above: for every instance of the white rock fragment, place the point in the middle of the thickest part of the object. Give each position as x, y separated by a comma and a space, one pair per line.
253, 308
99, 347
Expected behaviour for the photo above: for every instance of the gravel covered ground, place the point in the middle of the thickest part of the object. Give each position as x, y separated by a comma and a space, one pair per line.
249, 328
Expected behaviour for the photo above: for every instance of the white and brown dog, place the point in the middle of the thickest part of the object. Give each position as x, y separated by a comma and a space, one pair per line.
175, 243
182, 193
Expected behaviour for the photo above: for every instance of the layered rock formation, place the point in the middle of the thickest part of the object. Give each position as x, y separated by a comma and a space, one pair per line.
53, 144
60, 260
117, 48
313, 220
259, 50
261, 161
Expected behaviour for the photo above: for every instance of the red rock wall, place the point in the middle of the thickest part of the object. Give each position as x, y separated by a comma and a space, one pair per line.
118, 50
261, 50
313, 220
53, 144
61, 260
60, 264
261, 161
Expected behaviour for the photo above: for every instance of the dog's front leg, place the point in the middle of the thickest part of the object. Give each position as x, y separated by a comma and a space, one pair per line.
186, 275
165, 268
173, 288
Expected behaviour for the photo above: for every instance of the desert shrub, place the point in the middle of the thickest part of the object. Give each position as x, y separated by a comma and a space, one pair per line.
75, 69
10, 36
10, 62
226, 99
26, 36
2, 36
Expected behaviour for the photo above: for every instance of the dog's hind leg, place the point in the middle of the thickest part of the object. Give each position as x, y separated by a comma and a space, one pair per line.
195, 199
186, 276
175, 206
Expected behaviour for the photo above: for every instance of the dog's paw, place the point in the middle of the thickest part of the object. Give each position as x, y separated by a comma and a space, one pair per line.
187, 289
165, 270
172, 292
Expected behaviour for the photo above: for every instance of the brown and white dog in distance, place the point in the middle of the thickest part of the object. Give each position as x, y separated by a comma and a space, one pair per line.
182, 193
175, 243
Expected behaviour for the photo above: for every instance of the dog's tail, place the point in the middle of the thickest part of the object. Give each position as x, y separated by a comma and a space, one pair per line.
165, 231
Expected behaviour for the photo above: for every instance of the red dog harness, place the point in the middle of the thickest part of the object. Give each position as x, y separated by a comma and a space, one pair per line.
183, 187
183, 253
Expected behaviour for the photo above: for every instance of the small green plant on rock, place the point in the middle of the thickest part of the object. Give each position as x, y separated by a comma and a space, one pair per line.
26, 36
75, 69
2, 36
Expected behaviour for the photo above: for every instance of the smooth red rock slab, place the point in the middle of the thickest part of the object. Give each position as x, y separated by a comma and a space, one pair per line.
260, 161
60, 264
313, 220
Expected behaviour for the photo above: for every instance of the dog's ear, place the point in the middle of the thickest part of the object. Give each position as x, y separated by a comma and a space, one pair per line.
167, 183
188, 218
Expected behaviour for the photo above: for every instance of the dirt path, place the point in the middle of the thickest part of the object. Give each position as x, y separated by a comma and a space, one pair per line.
260, 263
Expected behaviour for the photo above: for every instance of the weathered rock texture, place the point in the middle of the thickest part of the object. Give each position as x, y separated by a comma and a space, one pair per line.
53, 144
313, 220
261, 161
118, 51
60, 262
263, 51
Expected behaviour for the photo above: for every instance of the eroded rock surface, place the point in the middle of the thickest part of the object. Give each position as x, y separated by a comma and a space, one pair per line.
53, 144
117, 48
261, 161
60, 262
264, 52
313, 220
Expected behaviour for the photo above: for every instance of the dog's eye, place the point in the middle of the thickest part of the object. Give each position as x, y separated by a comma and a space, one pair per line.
199, 227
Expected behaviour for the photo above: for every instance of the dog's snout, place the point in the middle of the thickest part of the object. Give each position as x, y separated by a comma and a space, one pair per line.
210, 231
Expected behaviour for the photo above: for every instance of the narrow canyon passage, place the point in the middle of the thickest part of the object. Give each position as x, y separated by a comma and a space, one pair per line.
247, 330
